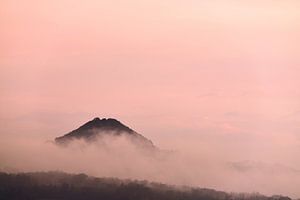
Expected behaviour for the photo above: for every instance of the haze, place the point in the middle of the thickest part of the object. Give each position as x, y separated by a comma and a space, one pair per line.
215, 80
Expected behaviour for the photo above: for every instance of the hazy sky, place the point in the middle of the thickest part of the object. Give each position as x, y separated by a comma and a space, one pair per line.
216, 76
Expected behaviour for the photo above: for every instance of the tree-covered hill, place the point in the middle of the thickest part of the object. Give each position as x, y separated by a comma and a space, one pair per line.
62, 186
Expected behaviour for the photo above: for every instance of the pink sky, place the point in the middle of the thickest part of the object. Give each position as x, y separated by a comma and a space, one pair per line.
220, 73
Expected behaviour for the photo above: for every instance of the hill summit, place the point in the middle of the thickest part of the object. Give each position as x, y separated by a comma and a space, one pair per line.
102, 127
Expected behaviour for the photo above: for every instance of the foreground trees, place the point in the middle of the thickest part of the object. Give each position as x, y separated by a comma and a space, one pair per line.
62, 186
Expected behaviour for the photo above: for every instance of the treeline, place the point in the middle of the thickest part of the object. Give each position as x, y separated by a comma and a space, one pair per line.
62, 186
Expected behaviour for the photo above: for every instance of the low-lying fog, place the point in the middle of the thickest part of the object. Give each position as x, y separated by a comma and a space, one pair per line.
117, 157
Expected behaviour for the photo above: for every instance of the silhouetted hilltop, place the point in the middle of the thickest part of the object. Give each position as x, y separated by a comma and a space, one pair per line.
101, 127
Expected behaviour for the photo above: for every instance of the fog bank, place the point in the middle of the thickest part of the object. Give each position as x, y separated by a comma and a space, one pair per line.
116, 156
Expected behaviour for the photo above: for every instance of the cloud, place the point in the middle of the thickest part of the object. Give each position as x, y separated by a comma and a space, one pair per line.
117, 157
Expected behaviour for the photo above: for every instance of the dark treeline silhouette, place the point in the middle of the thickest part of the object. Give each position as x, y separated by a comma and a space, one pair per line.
62, 186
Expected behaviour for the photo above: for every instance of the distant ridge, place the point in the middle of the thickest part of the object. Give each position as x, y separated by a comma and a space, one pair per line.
105, 126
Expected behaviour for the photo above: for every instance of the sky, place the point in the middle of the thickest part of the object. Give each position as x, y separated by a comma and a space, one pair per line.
219, 76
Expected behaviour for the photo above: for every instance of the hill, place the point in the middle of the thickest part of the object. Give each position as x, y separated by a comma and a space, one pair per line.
62, 186
97, 128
